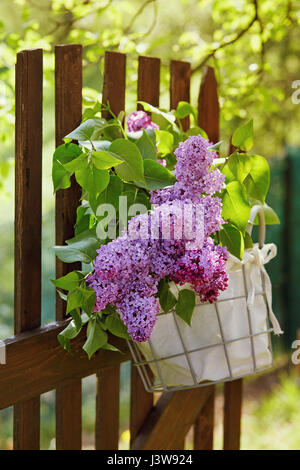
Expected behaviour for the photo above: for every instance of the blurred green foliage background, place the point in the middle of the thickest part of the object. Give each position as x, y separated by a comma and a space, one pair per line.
254, 46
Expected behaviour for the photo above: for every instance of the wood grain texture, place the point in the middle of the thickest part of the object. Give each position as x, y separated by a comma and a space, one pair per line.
68, 108
180, 77
233, 393
108, 379
141, 401
148, 80
28, 216
114, 82
107, 406
204, 426
171, 418
36, 363
208, 105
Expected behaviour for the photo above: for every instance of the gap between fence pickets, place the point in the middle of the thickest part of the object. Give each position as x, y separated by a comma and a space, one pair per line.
36, 363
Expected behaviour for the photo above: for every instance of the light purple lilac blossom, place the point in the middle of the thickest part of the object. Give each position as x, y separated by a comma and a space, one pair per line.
127, 270
139, 120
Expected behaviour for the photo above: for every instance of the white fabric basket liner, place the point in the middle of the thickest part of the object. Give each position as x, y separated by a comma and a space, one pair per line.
227, 339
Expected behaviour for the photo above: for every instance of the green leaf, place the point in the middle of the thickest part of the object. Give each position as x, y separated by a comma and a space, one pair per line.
62, 155
83, 219
86, 129
165, 142
248, 241
185, 109
92, 180
243, 136
97, 144
229, 176
163, 119
70, 281
132, 169
111, 193
81, 297
215, 146
185, 305
78, 163
271, 218
146, 146
196, 131
104, 160
258, 180
96, 338
240, 165
232, 238
115, 325
156, 175
236, 208
70, 332
167, 299
80, 248
110, 347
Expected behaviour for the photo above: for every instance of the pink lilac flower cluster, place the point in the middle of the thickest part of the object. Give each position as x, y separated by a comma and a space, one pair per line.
127, 270
139, 120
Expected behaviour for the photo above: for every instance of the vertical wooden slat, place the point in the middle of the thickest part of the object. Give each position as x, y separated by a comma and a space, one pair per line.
108, 379
180, 77
208, 105
141, 402
233, 392
148, 80
108, 396
68, 108
204, 426
28, 207
208, 119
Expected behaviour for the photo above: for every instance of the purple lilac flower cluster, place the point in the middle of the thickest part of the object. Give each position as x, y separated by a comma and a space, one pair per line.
127, 270
139, 120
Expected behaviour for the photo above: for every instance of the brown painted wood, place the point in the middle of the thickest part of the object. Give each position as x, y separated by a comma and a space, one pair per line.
141, 402
204, 426
108, 399
36, 363
68, 105
233, 393
208, 105
180, 77
148, 80
108, 379
170, 419
114, 82
28, 216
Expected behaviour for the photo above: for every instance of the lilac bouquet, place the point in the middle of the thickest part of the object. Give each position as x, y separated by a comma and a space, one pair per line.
188, 209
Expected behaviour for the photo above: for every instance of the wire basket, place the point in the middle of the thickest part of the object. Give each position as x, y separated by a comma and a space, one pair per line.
227, 340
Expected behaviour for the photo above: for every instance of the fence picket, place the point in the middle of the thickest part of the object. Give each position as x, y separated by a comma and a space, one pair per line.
108, 379
180, 77
148, 90
208, 105
233, 392
68, 108
28, 216
208, 119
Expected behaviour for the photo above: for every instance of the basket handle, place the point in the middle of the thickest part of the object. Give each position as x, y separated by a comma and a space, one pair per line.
258, 210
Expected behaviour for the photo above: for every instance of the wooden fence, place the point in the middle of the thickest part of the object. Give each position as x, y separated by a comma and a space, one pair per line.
35, 362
